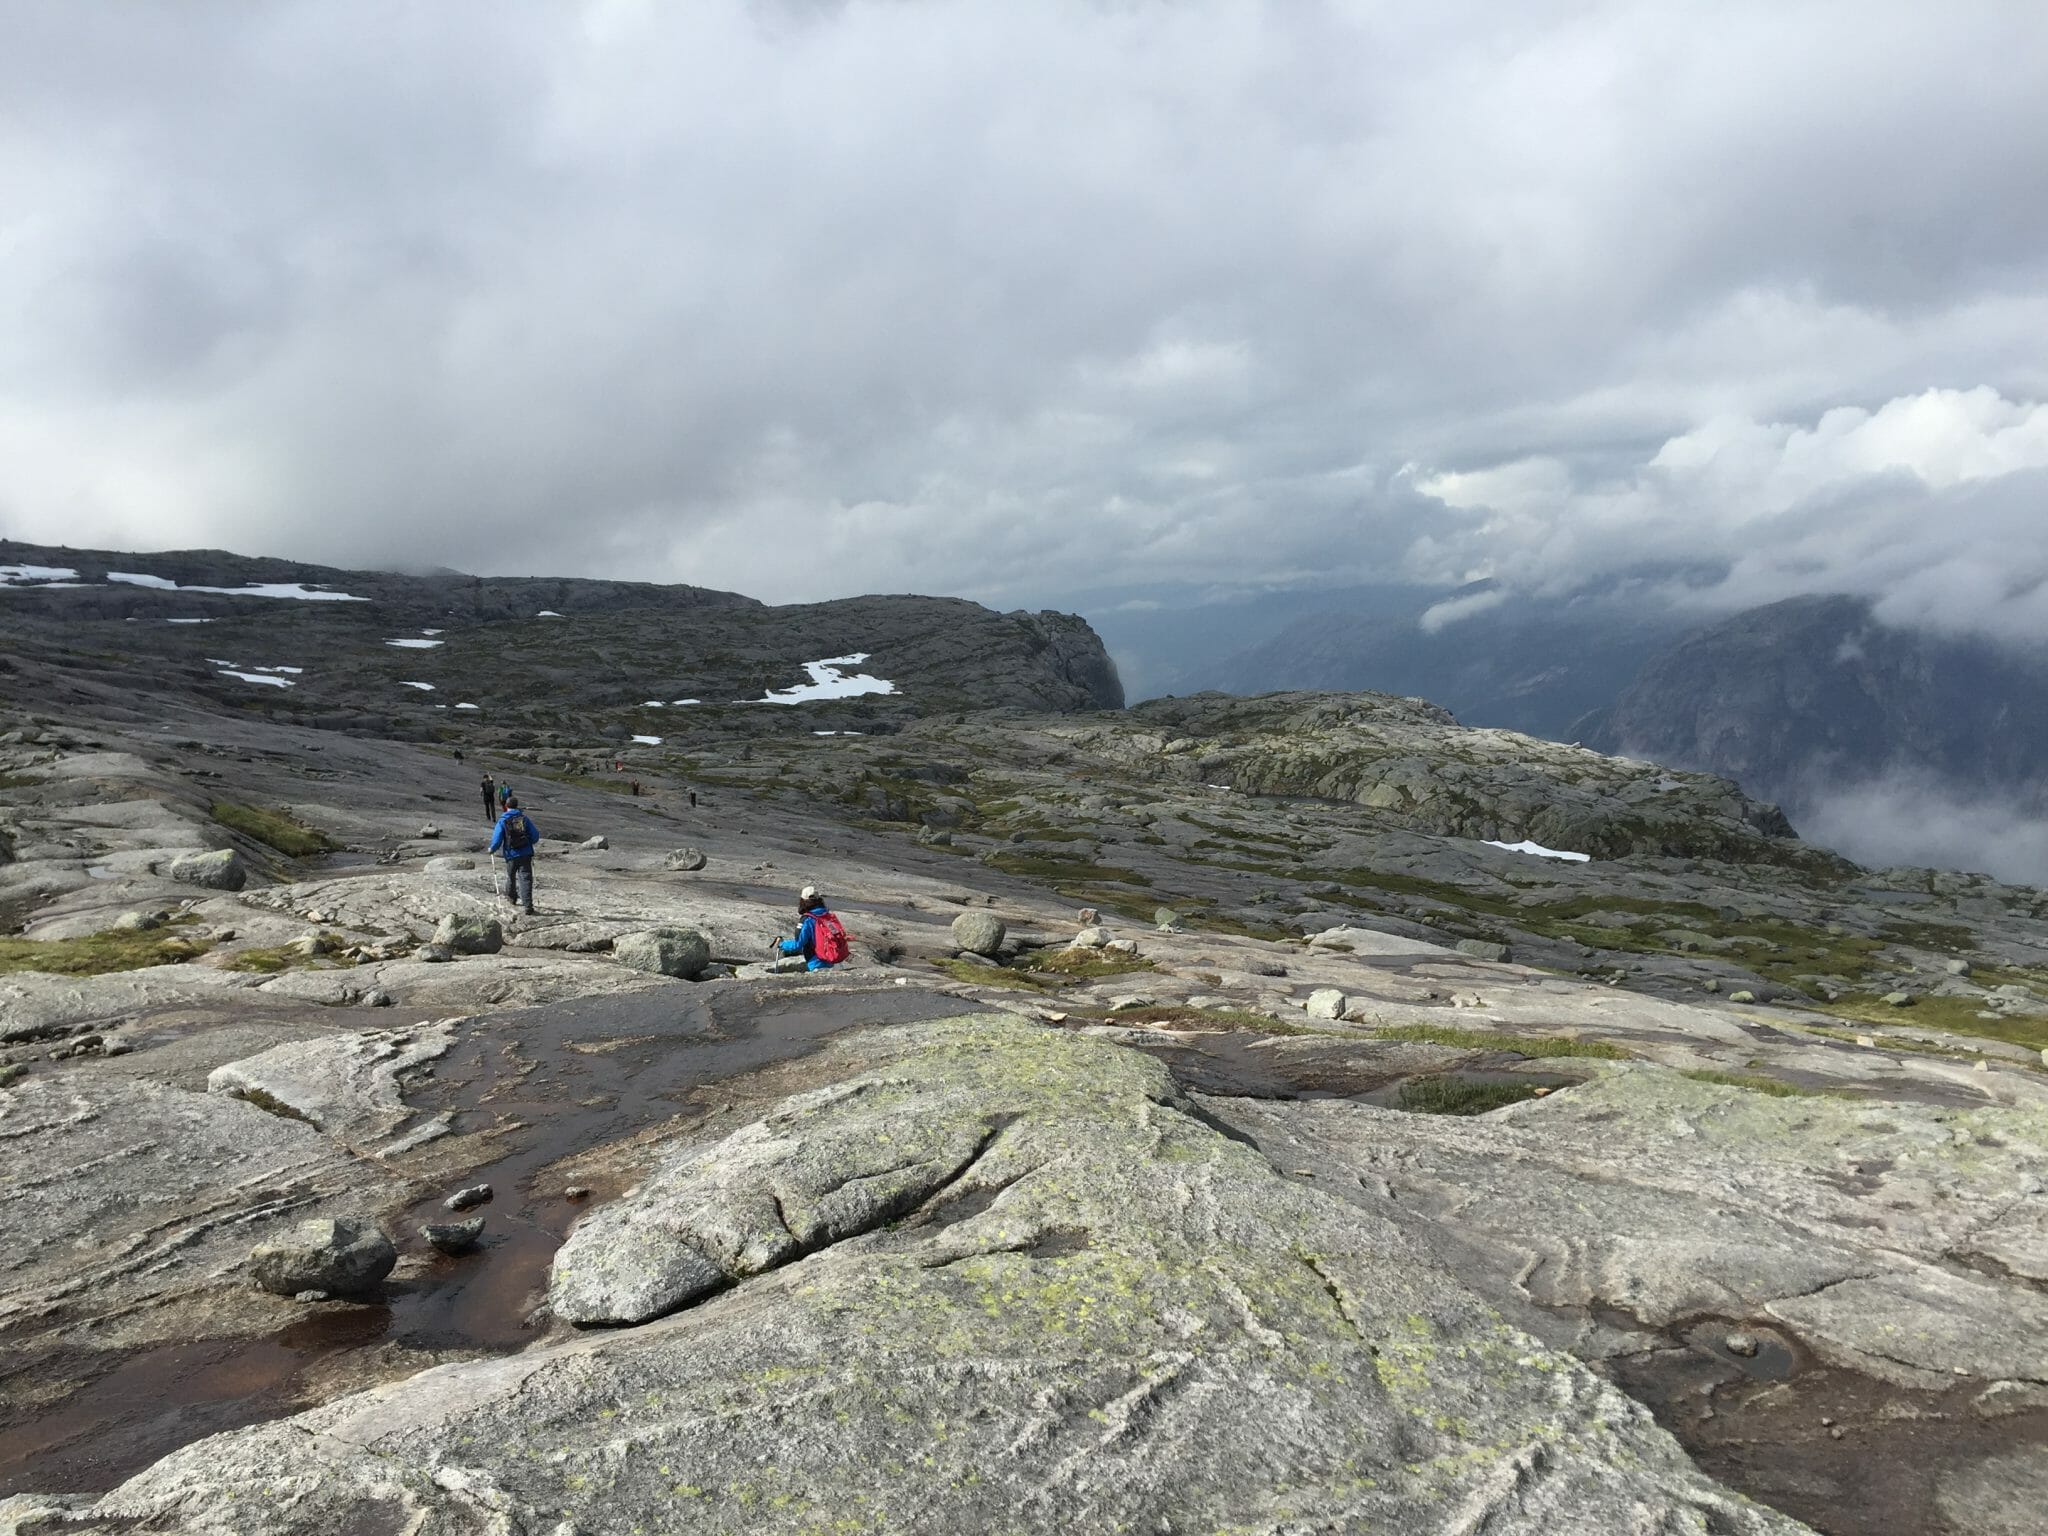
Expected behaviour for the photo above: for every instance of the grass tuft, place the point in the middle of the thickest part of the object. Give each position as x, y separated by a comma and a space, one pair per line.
1753, 1083
97, 954
1532, 1046
1452, 1095
274, 829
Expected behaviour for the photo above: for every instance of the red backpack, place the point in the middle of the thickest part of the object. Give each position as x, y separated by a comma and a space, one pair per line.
828, 937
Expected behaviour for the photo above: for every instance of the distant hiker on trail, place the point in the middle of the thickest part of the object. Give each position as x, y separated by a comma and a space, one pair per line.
514, 836
490, 798
504, 797
820, 937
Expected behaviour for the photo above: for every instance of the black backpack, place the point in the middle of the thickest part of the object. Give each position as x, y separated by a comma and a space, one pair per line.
518, 839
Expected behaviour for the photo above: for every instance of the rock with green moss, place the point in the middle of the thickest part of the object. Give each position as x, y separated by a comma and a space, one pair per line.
998, 1278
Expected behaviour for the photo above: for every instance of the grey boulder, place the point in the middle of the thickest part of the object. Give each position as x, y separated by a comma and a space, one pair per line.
979, 933
221, 870
680, 952
683, 860
340, 1257
454, 1237
464, 934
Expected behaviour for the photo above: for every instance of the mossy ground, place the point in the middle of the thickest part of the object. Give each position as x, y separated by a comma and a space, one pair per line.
1750, 1082
274, 829
99, 953
1532, 1046
1453, 1095
1081, 964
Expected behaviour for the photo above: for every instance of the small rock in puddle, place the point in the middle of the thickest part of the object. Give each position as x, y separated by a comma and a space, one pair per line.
463, 1199
336, 1258
454, 1237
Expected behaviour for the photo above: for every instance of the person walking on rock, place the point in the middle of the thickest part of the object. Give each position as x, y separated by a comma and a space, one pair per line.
820, 936
515, 836
490, 798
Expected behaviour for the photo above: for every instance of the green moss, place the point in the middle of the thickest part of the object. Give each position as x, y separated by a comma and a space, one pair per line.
999, 976
1532, 1046
274, 829
99, 953
1081, 962
1061, 871
1453, 1095
1753, 1084
1952, 1015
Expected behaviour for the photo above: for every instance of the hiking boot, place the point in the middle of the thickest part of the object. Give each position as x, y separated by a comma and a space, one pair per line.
527, 910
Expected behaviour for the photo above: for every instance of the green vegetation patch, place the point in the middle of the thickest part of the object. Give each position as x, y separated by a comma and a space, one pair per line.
1754, 1084
1532, 1046
1453, 1095
1951, 1015
1065, 871
274, 829
1079, 963
1183, 1017
98, 953
1000, 976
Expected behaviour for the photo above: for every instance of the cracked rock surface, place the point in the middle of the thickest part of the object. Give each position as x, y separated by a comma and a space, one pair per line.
1111, 1312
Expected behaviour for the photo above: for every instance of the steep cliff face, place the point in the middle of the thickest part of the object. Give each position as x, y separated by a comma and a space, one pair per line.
1814, 693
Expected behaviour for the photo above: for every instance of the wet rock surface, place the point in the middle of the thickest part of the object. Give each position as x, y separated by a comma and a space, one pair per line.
327, 1257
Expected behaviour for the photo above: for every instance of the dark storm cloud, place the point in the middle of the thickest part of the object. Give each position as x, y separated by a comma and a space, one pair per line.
1020, 300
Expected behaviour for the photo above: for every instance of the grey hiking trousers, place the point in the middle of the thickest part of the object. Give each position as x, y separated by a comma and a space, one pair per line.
519, 882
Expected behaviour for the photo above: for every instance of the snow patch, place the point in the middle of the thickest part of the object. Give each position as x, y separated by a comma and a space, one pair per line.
1537, 850
829, 680
11, 575
468, 706
650, 703
188, 621
297, 591
415, 645
430, 631
547, 613
258, 677
648, 741
686, 701
423, 687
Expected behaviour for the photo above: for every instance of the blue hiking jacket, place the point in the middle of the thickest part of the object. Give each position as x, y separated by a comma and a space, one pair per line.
805, 944
498, 836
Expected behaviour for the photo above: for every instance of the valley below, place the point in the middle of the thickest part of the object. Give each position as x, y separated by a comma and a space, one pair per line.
1290, 1114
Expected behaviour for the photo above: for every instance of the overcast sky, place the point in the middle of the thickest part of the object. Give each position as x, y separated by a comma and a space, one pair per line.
1027, 300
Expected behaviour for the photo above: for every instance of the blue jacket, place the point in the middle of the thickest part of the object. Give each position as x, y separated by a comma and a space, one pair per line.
498, 835
805, 944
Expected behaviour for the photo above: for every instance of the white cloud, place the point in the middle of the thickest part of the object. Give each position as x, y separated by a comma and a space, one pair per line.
1452, 609
816, 298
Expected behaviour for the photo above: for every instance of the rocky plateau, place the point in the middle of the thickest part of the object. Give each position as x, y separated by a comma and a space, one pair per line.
1237, 1114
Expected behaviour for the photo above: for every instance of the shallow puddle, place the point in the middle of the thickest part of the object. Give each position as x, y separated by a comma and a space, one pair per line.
563, 1079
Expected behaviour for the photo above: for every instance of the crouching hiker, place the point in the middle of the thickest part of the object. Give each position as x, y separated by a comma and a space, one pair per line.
514, 836
820, 937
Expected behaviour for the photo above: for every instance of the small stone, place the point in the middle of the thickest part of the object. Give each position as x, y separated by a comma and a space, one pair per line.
14, 1072
1096, 937
309, 1297
1325, 1003
1835, 1433
594, 844
433, 954
1744, 996
140, 922
465, 934
1265, 968
1130, 1002
1483, 949
576, 1192
429, 832
680, 952
463, 1199
1898, 999
1166, 920
1959, 967
684, 860
454, 1237
1711, 984
219, 871
979, 933
1743, 1344
340, 1257
1868, 1042
116, 1048
1088, 917
1122, 946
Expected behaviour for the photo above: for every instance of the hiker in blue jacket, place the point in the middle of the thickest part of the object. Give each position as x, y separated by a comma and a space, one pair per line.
820, 937
515, 836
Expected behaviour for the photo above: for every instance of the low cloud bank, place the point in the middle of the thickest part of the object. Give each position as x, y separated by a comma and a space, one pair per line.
1912, 821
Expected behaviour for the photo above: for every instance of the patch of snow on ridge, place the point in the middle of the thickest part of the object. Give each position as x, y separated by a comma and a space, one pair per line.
430, 631
686, 701
416, 645
424, 687
648, 741
650, 703
188, 621
1537, 850
37, 575
547, 613
258, 677
290, 589
469, 706
828, 681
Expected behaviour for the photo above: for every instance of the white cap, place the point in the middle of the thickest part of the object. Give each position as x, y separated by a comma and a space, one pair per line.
809, 893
